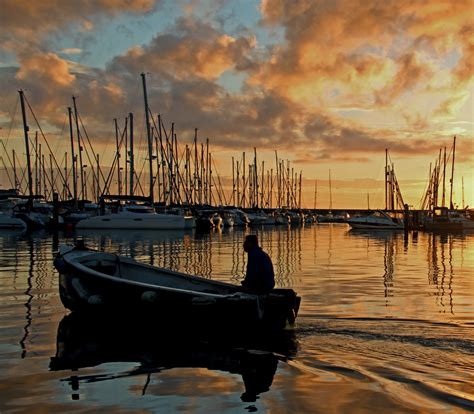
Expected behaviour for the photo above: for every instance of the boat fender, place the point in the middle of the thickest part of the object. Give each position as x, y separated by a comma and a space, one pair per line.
95, 300
84, 294
203, 301
149, 296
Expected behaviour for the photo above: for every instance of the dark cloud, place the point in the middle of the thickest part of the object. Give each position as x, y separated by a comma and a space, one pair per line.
25, 23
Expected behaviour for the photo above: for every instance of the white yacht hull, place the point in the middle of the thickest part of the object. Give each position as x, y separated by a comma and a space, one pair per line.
151, 222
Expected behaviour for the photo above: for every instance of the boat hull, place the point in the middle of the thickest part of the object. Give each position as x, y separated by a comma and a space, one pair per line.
215, 305
368, 226
7, 221
156, 222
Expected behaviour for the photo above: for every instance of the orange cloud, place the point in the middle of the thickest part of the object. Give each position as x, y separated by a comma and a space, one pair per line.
47, 68
411, 73
365, 54
332, 58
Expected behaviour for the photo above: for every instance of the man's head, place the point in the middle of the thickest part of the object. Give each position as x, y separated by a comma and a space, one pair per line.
250, 242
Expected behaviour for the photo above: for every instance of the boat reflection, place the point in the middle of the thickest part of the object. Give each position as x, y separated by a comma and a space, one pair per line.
84, 342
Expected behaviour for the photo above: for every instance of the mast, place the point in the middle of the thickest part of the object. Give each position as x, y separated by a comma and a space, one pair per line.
117, 154
244, 184
315, 193
15, 176
299, 197
51, 173
277, 179
443, 201
386, 178
255, 179
74, 176
238, 204
81, 168
27, 144
37, 171
163, 160
207, 188
451, 204
98, 178
195, 168
150, 146
66, 187
132, 164
233, 183
330, 192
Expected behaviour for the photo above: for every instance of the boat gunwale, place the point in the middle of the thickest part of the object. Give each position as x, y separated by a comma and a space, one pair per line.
81, 267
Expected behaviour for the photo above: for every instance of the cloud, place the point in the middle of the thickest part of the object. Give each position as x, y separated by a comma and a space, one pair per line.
365, 54
46, 68
71, 51
411, 72
25, 23
192, 49
334, 56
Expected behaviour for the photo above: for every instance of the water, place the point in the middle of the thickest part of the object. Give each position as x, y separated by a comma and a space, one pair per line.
386, 325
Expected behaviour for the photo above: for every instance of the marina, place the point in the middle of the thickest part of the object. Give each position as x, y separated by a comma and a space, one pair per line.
384, 315
236, 207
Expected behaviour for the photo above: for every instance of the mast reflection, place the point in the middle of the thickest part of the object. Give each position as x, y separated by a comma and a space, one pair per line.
440, 269
211, 254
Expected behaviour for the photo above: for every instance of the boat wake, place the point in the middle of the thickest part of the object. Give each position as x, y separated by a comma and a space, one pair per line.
417, 363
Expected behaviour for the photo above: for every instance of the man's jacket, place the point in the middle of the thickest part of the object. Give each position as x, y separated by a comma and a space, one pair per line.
260, 277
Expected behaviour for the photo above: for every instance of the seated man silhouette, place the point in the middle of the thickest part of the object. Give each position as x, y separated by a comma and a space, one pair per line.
260, 278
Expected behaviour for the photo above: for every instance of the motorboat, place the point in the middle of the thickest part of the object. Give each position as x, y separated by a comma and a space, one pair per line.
134, 216
342, 217
282, 218
296, 217
444, 219
377, 220
99, 282
260, 218
227, 219
240, 218
9, 221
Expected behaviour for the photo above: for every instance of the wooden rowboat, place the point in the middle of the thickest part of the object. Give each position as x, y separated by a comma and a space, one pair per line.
106, 283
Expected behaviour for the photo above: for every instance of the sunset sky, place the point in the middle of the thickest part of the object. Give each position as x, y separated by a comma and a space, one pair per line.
328, 84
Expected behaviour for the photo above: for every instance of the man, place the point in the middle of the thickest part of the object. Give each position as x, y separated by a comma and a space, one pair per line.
260, 277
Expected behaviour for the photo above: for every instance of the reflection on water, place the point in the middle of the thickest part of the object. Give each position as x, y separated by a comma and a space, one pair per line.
83, 343
203, 253
385, 321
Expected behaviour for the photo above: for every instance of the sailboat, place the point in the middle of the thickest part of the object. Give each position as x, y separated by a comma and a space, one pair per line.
330, 217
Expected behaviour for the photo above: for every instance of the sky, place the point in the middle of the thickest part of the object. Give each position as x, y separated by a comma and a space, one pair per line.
328, 84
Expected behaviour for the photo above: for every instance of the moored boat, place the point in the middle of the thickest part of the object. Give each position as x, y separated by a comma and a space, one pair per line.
378, 220
444, 219
99, 282
9, 221
134, 216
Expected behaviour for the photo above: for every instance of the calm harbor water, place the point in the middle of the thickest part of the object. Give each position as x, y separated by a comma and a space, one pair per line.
386, 325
